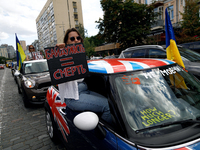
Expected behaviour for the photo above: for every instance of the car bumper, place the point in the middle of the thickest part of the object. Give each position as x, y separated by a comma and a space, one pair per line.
36, 96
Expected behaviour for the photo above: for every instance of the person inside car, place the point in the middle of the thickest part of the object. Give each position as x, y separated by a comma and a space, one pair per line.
30, 55
75, 93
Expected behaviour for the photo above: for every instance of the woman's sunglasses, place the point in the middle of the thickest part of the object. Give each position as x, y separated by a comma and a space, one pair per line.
73, 38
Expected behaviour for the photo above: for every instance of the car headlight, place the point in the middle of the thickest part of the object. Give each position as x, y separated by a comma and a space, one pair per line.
29, 83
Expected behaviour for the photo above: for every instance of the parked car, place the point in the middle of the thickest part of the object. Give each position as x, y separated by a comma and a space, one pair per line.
190, 58
96, 57
195, 46
13, 70
111, 56
154, 103
1, 66
33, 80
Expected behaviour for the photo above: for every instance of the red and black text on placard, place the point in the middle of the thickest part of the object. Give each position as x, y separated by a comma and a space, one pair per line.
66, 64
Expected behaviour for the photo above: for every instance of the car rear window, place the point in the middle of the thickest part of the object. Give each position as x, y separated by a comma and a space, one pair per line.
135, 54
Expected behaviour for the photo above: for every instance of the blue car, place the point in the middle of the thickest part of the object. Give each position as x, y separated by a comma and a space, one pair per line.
154, 104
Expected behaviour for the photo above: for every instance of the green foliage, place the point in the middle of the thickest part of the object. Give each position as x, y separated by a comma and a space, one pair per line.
82, 31
97, 40
89, 47
125, 22
190, 24
2, 60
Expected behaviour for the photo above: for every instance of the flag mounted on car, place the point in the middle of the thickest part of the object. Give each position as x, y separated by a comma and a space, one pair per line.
171, 47
20, 53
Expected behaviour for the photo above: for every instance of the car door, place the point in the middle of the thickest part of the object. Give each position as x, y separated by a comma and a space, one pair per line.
103, 137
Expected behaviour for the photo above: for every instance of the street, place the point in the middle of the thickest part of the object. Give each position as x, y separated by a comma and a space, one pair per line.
21, 128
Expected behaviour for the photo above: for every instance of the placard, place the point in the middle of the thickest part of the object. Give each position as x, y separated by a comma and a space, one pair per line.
66, 64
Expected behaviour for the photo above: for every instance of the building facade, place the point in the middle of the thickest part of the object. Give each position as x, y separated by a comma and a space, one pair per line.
23, 44
7, 51
3, 52
55, 18
36, 45
158, 29
174, 8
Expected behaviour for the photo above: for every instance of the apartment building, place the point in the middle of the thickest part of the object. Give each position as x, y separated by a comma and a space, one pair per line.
55, 18
23, 44
3, 51
174, 8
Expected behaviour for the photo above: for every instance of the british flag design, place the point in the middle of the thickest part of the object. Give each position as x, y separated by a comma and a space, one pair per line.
56, 106
109, 66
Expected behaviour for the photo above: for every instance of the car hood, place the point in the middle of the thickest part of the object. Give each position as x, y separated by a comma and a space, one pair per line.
39, 77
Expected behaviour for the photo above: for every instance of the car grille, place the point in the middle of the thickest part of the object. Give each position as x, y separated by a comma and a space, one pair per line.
42, 85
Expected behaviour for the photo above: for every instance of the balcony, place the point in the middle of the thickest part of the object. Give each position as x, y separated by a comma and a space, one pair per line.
159, 3
158, 24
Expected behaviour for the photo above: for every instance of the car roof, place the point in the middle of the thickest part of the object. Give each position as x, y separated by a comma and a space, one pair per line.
33, 61
117, 65
142, 46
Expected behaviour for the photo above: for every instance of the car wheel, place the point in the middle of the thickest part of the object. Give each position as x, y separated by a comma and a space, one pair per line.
51, 127
19, 91
25, 99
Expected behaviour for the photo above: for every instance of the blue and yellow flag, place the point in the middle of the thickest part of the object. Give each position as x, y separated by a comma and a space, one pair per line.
171, 47
20, 53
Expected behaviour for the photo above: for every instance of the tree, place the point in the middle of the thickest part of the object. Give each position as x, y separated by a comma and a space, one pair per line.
191, 23
82, 31
2, 60
89, 47
97, 40
127, 23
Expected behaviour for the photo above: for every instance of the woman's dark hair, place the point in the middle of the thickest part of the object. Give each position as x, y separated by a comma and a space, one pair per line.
67, 35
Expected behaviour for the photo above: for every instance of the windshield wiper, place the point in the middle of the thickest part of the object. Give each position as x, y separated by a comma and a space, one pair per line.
168, 124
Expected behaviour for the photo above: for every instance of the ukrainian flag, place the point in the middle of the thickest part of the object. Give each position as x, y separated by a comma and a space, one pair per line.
171, 47
20, 53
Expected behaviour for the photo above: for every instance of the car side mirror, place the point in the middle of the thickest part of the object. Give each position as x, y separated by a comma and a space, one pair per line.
17, 73
86, 121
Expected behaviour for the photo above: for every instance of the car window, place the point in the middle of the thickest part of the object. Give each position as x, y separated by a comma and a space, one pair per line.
135, 53
156, 96
156, 53
36, 67
189, 54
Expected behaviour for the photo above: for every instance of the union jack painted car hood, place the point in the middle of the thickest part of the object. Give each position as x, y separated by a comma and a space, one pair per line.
108, 66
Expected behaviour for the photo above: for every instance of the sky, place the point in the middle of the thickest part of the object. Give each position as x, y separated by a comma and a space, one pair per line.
18, 16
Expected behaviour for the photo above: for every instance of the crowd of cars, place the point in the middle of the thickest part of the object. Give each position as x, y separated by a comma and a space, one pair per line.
154, 102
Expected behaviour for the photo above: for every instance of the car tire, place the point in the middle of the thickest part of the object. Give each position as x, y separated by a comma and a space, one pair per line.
51, 126
19, 91
25, 99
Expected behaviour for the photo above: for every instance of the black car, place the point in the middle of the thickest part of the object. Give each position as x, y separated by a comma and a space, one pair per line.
33, 80
190, 58
154, 105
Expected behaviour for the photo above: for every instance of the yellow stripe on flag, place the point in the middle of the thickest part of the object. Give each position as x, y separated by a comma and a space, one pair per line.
22, 56
173, 53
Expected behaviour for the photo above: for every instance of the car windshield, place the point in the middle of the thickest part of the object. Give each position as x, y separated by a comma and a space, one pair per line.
157, 96
189, 54
36, 67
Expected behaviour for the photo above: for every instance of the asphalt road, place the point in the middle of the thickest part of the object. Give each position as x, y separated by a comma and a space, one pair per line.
21, 128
